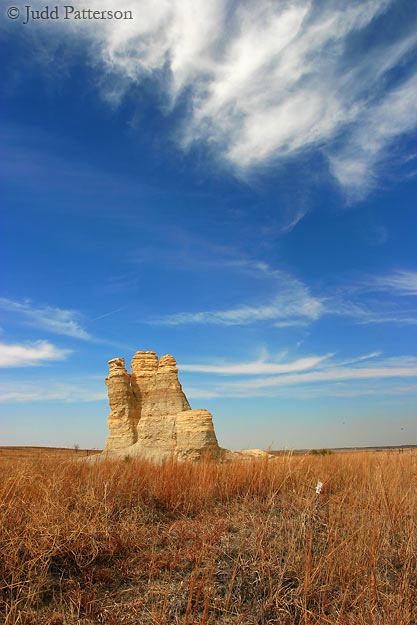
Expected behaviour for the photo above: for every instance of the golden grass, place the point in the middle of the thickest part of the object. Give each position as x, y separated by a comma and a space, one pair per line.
58, 453
120, 543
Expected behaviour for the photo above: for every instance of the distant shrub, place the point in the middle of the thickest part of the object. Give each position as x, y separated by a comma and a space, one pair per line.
321, 452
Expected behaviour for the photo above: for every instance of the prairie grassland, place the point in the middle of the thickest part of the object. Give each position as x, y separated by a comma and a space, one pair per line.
36, 453
120, 543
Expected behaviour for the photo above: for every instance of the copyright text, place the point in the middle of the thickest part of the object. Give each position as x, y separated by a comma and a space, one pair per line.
65, 12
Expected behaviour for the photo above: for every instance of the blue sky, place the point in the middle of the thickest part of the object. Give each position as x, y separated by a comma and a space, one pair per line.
234, 183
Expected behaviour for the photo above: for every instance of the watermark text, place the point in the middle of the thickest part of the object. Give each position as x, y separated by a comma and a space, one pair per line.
65, 12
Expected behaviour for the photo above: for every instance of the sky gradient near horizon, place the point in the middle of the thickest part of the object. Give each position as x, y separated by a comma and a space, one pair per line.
233, 183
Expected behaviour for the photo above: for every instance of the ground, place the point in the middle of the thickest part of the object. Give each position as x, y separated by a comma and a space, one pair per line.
243, 543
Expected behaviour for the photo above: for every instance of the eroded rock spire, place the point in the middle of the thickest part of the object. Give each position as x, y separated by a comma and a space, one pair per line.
150, 414
125, 410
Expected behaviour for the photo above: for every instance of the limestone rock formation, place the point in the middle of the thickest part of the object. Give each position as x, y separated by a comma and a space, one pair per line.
125, 412
150, 415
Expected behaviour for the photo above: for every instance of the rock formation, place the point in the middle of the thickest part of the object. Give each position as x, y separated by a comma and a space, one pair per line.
150, 415
125, 411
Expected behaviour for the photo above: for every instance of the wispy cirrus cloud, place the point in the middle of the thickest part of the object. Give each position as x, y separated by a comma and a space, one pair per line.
354, 165
397, 283
372, 388
266, 81
369, 301
323, 376
329, 375
30, 354
58, 392
293, 305
256, 367
55, 320
378, 299
265, 366
295, 314
199, 393
365, 313
312, 391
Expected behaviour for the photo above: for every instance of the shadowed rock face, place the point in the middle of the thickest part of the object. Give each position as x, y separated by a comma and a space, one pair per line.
150, 415
125, 413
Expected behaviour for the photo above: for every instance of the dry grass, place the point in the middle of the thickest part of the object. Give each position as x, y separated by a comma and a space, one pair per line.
123, 543
32, 453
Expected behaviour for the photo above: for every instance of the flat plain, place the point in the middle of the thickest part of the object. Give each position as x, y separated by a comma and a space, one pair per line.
244, 543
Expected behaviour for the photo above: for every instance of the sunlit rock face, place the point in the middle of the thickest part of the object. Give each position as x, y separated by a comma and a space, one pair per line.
150, 415
156, 386
151, 418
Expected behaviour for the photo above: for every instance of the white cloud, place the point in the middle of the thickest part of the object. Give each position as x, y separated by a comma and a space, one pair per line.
56, 320
354, 164
351, 390
198, 393
108, 314
324, 377
397, 283
281, 306
330, 375
68, 393
361, 358
295, 304
266, 80
375, 299
257, 367
292, 305
365, 315
395, 319
30, 354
